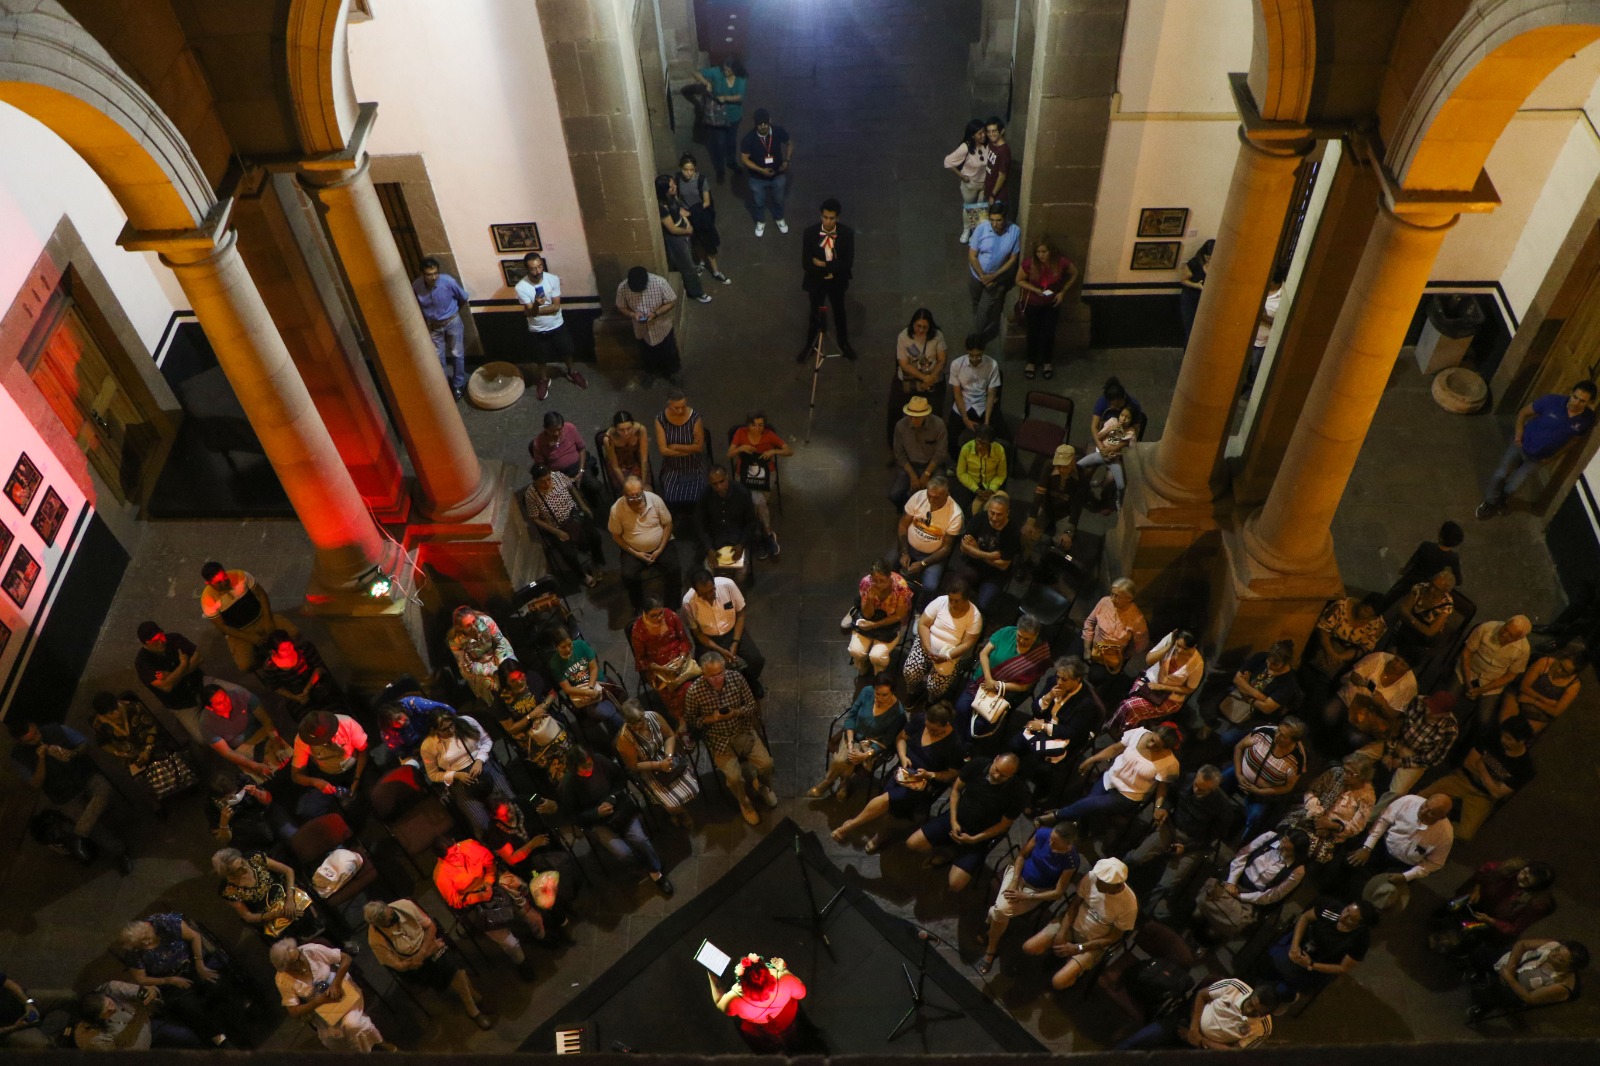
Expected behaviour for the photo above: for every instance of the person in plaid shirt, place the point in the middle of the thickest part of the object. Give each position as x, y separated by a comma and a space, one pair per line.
1428, 730
721, 708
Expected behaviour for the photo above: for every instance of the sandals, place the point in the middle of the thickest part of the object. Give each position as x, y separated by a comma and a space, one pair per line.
816, 792
1049, 371
876, 844
838, 835
984, 965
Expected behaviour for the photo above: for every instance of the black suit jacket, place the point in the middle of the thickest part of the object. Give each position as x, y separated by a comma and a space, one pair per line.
844, 256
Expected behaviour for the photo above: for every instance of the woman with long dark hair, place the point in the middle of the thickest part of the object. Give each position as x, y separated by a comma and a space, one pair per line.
920, 357
678, 234
1193, 282
1044, 278
968, 163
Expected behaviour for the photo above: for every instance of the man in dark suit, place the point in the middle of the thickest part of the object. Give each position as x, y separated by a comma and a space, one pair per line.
827, 252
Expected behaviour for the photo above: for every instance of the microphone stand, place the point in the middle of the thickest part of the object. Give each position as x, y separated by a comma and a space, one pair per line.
817, 917
915, 985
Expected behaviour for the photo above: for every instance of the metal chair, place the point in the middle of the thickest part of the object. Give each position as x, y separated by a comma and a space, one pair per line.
1040, 435
410, 814
1155, 940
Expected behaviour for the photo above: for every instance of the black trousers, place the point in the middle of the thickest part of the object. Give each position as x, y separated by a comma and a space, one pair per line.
829, 293
665, 575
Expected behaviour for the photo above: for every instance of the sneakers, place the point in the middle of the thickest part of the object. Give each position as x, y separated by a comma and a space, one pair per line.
699, 270
704, 298
1490, 509
772, 545
966, 235
783, 227
769, 797
761, 227
720, 276
577, 378
541, 388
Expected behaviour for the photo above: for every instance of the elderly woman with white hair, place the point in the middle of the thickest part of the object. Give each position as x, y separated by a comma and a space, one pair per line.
314, 982
404, 938
1114, 633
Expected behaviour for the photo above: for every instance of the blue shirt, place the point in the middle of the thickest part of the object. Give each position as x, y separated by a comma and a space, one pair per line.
994, 248
881, 728
720, 86
1551, 426
1102, 405
1043, 867
446, 298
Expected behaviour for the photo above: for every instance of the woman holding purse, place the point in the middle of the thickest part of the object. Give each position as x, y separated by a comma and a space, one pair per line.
1009, 665
1114, 632
648, 748
871, 725
665, 656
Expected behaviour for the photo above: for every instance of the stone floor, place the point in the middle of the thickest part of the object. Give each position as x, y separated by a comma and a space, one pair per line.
872, 104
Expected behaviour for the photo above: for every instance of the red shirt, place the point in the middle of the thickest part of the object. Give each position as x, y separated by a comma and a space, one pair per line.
775, 1011
461, 867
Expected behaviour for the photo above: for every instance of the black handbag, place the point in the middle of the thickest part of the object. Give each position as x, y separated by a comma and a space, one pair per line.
496, 912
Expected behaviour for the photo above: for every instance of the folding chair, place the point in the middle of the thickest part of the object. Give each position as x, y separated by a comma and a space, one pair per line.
1154, 940
410, 814
1040, 435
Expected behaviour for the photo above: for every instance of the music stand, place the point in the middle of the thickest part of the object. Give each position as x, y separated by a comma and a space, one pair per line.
818, 352
919, 1000
816, 919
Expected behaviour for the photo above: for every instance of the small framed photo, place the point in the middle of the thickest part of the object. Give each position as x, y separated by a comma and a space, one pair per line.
51, 514
6, 537
513, 271
23, 483
1155, 255
21, 576
516, 237
1163, 221
5, 637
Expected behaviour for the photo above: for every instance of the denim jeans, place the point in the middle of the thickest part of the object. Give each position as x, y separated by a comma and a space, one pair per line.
1514, 470
722, 143
449, 342
767, 192
1097, 803
632, 841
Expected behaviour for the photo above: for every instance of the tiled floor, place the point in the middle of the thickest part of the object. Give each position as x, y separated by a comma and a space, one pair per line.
872, 96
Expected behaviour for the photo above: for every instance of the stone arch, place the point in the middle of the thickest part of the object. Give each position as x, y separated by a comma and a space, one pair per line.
320, 89
51, 69
1283, 62
1492, 58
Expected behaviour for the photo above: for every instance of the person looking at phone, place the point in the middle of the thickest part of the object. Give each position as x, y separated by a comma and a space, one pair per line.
649, 301
540, 295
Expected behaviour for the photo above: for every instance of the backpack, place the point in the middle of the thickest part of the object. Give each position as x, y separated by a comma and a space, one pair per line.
1154, 982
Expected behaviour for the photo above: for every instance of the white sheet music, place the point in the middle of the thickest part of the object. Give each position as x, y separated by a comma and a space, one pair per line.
713, 958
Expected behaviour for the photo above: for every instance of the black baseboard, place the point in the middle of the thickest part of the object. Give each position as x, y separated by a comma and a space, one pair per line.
504, 332
1134, 320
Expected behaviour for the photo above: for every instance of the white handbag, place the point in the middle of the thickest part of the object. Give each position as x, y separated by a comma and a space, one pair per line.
992, 706
336, 871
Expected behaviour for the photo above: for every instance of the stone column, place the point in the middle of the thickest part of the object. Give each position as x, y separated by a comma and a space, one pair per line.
605, 126
449, 475
349, 546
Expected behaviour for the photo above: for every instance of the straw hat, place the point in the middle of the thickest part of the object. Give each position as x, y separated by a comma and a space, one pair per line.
918, 407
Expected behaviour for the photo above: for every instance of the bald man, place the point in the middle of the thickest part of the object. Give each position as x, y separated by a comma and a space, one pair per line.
1409, 841
984, 801
1495, 655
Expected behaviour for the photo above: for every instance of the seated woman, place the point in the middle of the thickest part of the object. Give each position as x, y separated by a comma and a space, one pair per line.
1534, 973
869, 729
1546, 690
1264, 688
406, 939
479, 649
405, 723
294, 670
119, 1016
1174, 669
570, 533
1336, 806
1491, 910
458, 755
125, 729
549, 870
576, 670
1418, 621
1264, 871
946, 631
1111, 440
1114, 634
1347, 629
664, 653
315, 984
164, 952
980, 470
876, 625
1056, 729
262, 892
487, 897
648, 748
1268, 763
1009, 665
1329, 939
248, 818
520, 698
627, 448
1142, 762
1367, 707
929, 756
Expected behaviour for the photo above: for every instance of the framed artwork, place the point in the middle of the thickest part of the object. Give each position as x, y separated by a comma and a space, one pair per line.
513, 271
1155, 255
6, 537
47, 522
23, 483
21, 576
5, 637
1163, 221
516, 237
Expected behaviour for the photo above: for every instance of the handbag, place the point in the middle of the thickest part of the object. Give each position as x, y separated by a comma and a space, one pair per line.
169, 775
713, 112
754, 472
1108, 655
336, 871
991, 706
496, 912
277, 926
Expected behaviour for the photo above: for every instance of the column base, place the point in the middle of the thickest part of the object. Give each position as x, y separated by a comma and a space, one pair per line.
380, 638
480, 560
1168, 549
1254, 604
384, 490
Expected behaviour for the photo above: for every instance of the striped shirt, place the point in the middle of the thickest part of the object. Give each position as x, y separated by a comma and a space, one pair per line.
556, 506
656, 293
1261, 769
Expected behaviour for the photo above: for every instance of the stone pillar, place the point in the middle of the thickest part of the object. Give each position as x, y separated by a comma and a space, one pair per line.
1166, 534
378, 636
990, 57
448, 472
594, 63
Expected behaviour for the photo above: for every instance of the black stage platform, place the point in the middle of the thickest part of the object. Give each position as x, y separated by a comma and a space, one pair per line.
656, 999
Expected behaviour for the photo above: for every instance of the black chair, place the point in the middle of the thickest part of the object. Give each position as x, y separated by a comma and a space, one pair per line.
1041, 436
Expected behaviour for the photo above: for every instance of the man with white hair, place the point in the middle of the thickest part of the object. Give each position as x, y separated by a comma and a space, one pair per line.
1103, 910
641, 526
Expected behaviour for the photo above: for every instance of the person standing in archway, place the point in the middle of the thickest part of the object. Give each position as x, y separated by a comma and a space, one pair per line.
1546, 430
445, 306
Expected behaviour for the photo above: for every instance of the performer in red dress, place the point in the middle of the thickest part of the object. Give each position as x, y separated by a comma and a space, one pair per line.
766, 1000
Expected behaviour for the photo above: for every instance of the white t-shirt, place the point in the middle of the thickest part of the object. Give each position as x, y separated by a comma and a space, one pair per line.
527, 295
945, 630
1132, 774
641, 532
1223, 1019
1102, 913
972, 383
1398, 695
1269, 311
717, 617
929, 526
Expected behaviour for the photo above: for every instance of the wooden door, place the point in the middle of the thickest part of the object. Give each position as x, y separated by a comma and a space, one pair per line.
80, 382
1570, 335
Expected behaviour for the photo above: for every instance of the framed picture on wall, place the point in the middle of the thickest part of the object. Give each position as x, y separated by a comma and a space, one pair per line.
1163, 221
21, 576
1155, 255
516, 237
6, 537
47, 522
5, 637
23, 483
513, 271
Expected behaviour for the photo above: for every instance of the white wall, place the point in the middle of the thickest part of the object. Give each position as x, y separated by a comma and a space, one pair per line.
1573, 173
1173, 138
467, 85
41, 179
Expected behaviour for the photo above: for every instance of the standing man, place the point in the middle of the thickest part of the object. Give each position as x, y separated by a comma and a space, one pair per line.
648, 301
1546, 429
238, 606
921, 445
827, 252
996, 160
168, 664
721, 708
992, 253
444, 308
641, 525
765, 153
974, 392
53, 760
539, 292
